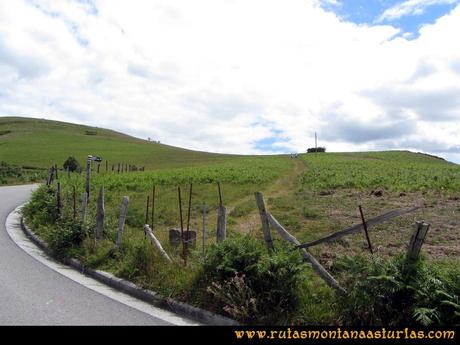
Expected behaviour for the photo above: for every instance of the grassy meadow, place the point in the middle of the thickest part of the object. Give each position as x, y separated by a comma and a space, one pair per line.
312, 196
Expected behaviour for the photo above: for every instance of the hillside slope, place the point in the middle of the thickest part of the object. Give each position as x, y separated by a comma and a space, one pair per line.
42, 143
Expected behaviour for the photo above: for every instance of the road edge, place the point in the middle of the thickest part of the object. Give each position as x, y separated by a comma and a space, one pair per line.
182, 309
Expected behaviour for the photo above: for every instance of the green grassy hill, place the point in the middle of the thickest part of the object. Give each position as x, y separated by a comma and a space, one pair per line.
311, 196
42, 143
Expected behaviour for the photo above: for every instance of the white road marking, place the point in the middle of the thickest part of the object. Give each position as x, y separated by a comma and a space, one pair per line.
13, 228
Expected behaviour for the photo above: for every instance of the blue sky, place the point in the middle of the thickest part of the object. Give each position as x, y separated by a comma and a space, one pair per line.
415, 13
241, 76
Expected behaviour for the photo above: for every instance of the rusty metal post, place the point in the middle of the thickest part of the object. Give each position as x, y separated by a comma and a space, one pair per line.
365, 230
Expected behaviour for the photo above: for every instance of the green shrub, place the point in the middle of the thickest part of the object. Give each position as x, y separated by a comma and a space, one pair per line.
72, 164
251, 285
41, 209
394, 292
64, 235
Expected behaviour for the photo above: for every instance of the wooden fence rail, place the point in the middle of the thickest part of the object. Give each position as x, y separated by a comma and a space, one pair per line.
358, 227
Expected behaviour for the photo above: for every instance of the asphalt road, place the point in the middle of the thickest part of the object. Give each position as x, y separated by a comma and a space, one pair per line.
31, 293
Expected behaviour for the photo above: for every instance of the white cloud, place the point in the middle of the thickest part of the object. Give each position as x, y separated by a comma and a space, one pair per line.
410, 7
222, 75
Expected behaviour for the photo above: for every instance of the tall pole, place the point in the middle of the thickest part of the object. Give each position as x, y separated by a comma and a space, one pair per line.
88, 177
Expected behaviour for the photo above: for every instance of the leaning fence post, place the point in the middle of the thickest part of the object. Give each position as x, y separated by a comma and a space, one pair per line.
50, 176
416, 240
100, 213
317, 267
366, 232
149, 233
221, 218
263, 218
122, 220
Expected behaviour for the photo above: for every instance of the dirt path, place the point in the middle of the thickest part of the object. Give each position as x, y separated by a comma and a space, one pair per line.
283, 185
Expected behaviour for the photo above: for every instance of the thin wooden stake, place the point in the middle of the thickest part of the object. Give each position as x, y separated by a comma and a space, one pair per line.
365, 230
147, 210
88, 178
100, 214
221, 223
181, 227
203, 211
220, 194
153, 208
122, 220
84, 205
74, 204
58, 199
56, 171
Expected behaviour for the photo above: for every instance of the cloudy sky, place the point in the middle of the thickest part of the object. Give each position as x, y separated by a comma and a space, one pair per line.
241, 76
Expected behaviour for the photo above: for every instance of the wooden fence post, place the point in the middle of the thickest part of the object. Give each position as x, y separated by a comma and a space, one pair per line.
74, 197
221, 223
263, 218
122, 220
320, 270
100, 214
366, 232
84, 205
68, 172
203, 211
152, 215
50, 176
56, 171
88, 178
416, 240
58, 199
221, 218
148, 232
147, 210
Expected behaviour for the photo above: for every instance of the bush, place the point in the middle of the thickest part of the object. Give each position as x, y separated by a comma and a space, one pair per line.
64, 235
41, 209
251, 285
393, 292
316, 149
72, 164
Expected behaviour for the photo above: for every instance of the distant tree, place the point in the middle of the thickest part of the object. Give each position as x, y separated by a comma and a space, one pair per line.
72, 164
316, 149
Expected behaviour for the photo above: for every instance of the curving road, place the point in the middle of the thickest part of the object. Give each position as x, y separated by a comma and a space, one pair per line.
34, 293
